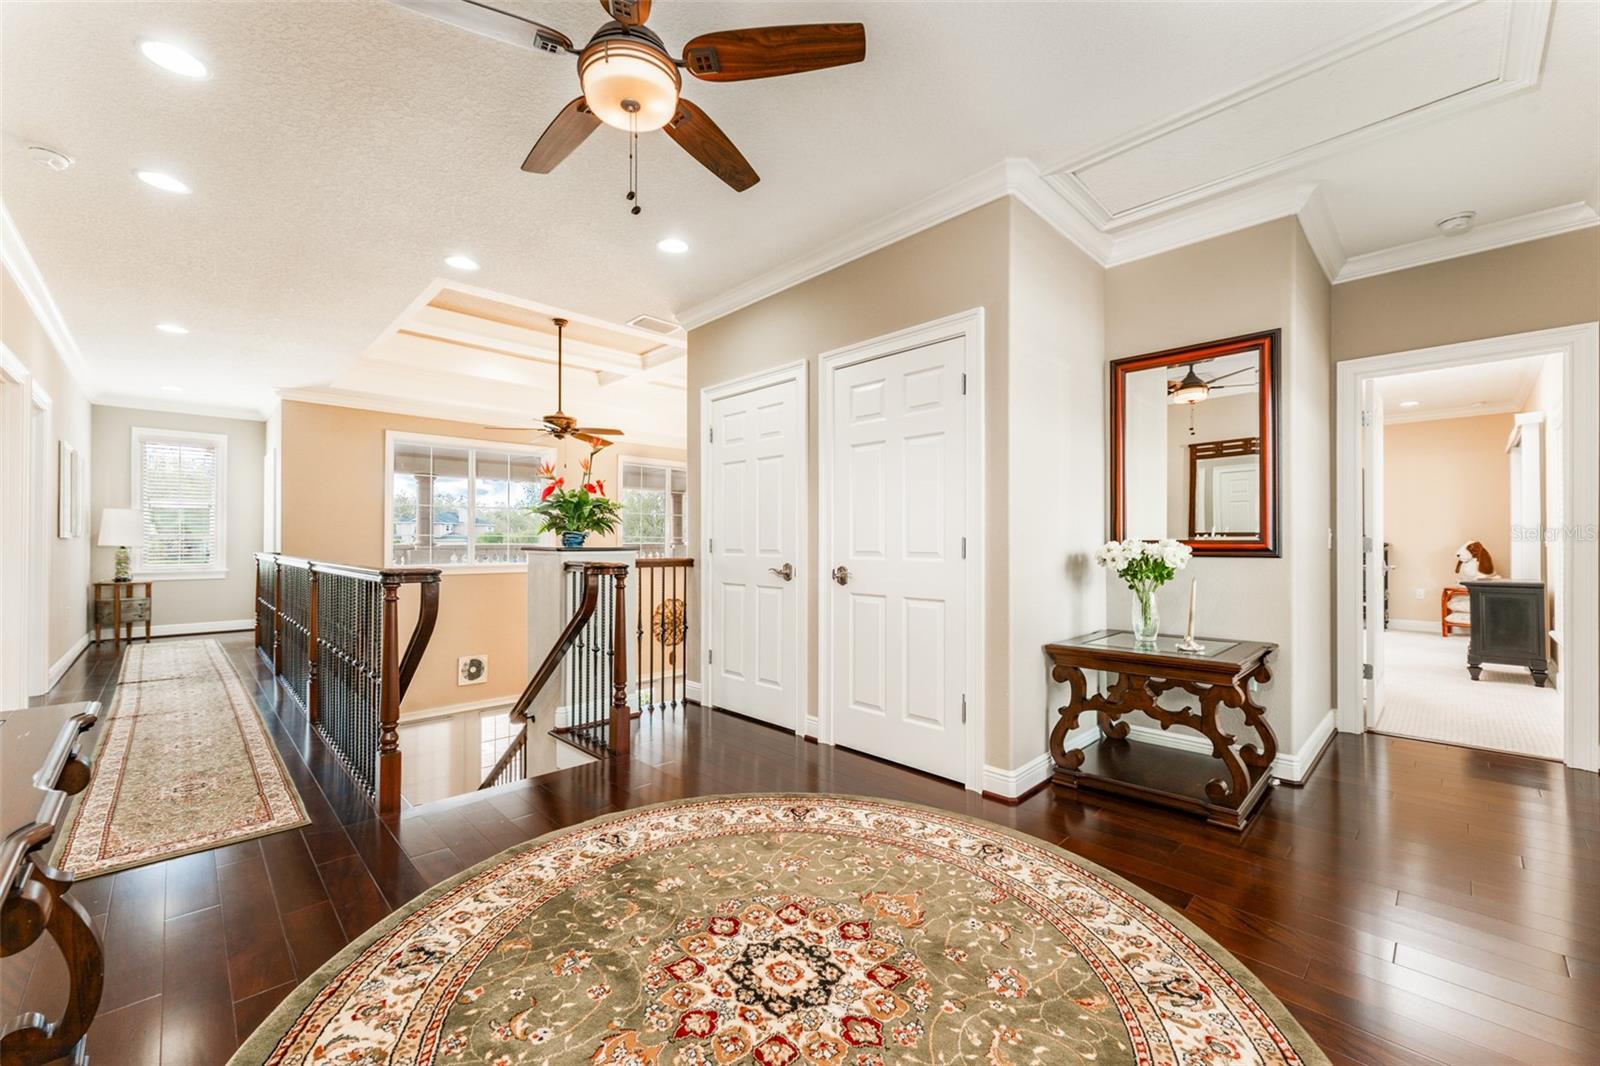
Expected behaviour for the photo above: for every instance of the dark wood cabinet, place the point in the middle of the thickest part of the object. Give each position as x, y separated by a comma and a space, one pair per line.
1508, 627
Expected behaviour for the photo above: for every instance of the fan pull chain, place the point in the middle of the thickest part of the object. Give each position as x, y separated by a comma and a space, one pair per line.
633, 159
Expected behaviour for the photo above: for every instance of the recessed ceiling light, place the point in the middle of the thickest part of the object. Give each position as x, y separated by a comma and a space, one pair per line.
49, 158
171, 327
172, 388
461, 262
172, 58
165, 182
1410, 403
672, 245
1457, 224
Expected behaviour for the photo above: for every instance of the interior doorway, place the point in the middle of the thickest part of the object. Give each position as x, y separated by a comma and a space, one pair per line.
1455, 463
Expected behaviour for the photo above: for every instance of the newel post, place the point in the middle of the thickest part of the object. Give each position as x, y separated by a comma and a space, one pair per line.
621, 713
389, 710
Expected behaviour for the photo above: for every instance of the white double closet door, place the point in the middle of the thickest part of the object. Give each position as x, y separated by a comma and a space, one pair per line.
897, 624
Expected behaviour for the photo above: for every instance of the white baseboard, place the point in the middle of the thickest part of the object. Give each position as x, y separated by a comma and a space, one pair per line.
1034, 772
1412, 625
408, 716
691, 691
186, 629
60, 666
1288, 766
813, 727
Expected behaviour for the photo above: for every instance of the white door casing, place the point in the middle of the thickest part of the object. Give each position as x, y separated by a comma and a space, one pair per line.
41, 455
754, 483
900, 503
1372, 548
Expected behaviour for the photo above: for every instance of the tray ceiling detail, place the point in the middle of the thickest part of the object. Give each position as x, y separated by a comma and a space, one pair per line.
1415, 68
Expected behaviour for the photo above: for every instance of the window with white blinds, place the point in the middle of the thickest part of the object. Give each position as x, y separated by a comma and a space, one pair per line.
179, 492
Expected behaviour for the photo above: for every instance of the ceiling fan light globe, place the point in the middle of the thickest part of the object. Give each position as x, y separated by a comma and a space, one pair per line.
629, 85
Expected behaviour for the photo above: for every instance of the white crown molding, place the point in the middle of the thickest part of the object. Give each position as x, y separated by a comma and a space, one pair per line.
1213, 220
987, 185
1529, 227
1527, 28
180, 407
446, 412
1316, 222
25, 272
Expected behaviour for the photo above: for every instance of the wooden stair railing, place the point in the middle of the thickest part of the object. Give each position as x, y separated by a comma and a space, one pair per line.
589, 579
332, 634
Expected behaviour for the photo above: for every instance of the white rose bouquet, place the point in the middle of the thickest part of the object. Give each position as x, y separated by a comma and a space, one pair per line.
1145, 565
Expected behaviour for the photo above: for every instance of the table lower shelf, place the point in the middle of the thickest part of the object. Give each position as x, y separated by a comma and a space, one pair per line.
1170, 777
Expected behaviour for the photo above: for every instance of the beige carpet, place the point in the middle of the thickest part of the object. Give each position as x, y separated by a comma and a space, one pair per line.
184, 764
1428, 695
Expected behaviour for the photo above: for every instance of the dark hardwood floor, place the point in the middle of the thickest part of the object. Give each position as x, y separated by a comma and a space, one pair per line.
1415, 903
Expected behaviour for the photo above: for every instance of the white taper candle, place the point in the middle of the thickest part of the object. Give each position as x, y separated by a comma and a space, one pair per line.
1193, 583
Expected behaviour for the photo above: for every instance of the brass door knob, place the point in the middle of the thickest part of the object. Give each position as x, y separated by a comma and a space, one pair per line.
785, 571
841, 575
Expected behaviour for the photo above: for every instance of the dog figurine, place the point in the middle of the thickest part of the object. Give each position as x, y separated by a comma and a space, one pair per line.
1473, 562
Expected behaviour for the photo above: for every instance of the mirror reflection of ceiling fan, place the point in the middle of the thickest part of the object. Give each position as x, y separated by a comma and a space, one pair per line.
631, 82
558, 424
1192, 388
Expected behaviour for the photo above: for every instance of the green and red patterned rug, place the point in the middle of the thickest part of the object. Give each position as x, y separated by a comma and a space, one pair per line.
784, 930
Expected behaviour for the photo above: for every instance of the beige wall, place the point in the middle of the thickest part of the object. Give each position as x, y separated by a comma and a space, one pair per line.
230, 598
1253, 280
1042, 303
69, 421
333, 501
1445, 481
1537, 285
952, 267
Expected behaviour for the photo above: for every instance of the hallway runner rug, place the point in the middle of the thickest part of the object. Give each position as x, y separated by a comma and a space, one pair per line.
783, 930
184, 764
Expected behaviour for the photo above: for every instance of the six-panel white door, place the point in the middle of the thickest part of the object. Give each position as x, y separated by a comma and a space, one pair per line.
753, 501
898, 618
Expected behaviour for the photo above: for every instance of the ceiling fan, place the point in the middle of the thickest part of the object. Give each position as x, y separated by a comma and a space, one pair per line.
630, 81
558, 423
1192, 388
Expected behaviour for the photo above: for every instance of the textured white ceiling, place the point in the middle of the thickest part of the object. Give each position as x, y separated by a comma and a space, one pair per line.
340, 151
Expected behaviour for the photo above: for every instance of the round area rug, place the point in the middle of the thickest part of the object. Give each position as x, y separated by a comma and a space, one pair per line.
783, 930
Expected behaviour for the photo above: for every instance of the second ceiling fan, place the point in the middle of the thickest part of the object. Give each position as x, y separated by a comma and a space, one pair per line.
630, 81
558, 423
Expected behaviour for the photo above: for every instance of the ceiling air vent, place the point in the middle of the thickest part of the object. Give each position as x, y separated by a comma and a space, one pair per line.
654, 324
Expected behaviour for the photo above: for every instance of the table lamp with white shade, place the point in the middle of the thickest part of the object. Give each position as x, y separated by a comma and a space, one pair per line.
121, 529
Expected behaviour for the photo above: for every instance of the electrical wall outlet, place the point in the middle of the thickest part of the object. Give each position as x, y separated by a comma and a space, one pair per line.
1421, 594
472, 669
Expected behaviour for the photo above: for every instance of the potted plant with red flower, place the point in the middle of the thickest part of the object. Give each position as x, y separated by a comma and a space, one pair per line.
576, 512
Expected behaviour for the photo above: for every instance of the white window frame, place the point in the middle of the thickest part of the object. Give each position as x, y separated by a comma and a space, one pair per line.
219, 553
625, 461
472, 445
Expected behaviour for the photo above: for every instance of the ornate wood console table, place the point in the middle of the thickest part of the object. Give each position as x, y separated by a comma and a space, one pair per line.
40, 770
1225, 786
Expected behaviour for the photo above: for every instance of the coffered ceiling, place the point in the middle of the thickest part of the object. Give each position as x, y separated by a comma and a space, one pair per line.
338, 153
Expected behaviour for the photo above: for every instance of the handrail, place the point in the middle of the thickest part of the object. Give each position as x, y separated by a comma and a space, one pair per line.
620, 719
513, 750
569, 634
332, 634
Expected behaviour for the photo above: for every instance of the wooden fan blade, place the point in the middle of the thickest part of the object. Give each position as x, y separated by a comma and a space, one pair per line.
536, 430
599, 432
773, 51
565, 132
700, 137
1229, 374
628, 12
592, 441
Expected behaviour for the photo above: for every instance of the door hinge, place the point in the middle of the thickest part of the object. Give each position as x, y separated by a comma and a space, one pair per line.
1366, 671
963, 384
1366, 418
1366, 544
711, 435
963, 547
711, 656
963, 709
711, 545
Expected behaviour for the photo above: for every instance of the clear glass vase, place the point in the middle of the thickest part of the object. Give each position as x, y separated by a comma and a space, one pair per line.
1146, 619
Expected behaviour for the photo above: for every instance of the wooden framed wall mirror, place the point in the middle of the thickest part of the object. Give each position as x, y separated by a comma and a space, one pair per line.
1194, 446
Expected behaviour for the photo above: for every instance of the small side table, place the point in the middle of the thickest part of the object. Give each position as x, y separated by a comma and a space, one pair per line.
117, 606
